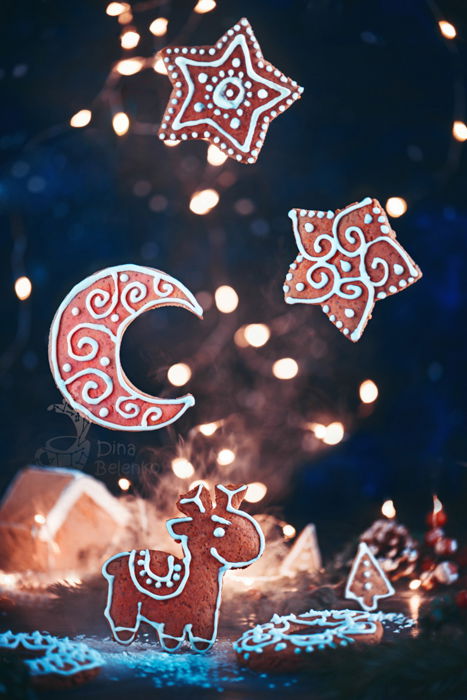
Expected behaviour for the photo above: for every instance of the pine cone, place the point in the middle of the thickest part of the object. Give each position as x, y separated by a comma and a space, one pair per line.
393, 546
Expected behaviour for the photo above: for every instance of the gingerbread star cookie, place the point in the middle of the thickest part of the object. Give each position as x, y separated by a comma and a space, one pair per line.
227, 93
348, 260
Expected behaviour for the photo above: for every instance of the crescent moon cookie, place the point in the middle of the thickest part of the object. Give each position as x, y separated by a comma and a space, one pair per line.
348, 260
226, 93
53, 663
85, 339
285, 643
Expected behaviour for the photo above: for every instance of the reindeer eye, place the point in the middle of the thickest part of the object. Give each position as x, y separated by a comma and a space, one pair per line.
219, 532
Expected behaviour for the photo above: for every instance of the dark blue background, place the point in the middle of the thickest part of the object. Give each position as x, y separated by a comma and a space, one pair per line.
382, 88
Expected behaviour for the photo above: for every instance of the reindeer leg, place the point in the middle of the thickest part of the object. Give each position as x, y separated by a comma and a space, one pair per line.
125, 624
203, 640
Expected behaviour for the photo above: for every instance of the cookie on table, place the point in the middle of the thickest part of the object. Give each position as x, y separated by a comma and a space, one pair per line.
367, 582
226, 93
286, 643
53, 663
348, 260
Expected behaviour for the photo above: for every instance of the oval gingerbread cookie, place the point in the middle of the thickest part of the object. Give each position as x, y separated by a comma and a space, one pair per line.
85, 340
284, 643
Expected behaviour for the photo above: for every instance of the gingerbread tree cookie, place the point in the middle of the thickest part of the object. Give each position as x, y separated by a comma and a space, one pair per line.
226, 93
367, 582
348, 260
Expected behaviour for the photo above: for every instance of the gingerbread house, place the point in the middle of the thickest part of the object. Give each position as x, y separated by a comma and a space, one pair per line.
57, 520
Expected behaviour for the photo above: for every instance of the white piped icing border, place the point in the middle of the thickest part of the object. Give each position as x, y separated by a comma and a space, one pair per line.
365, 553
61, 657
322, 271
104, 316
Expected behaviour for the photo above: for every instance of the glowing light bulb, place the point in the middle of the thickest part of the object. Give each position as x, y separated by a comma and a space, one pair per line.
159, 66
182, 468
289, 531
257, 334
203, 6
208, 429
285, 368
319, 430
216, 156
124, 484
114, 9
81, 118
368, 391
437, 505
334, 433
129, 66
396, 206
203, 201
39, 519
388, 510
159, 26
447, 29
120, 123
256, 491
179, 374
226, 299
23, 288
129, 39
459, 131
225, 457
415, 584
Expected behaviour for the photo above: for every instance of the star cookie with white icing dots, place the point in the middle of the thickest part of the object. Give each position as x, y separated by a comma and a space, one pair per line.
348, 260
226, 94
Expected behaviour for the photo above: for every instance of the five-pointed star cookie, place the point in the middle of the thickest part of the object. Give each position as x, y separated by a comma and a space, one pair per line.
348, 260
227, 93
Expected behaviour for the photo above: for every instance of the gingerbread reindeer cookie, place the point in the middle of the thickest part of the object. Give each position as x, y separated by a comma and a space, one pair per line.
180, 597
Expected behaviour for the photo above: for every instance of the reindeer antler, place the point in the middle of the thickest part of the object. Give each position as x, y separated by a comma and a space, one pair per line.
231, 494
195, 501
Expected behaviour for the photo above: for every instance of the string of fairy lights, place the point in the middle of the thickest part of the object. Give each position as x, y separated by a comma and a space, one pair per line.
201, 202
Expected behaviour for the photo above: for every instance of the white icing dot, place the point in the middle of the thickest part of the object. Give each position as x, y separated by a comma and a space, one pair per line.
330, 214
339, 324
202, 77
346, 331
293, 266
350, 313
262, 94
148, 581
75, 311
219, 532
332, 317
368, 219
124, 277
177, 567
381, 295
345, 265
299, 258
325, 308
366, 562
158, 584
286, 287
176, 577
289, 276
236, 62
104, 361
303, 212
235, 123
300, 286
114, 317
367, 586
376, 210
194, 134
66, 367
104, 412
199, 106
320, 214
392, 288
367, 574
309, 228
381, 219
398, 269
411, 279
402, 283
384, 229
169, 584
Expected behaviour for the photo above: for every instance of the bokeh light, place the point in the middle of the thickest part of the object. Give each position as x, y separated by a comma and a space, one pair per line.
368, 391
388, 509
39, 519
459, 131
215, 156
179, 374
159, 66
226, 299
396, 206
203, 6
203, 201
23, 288
334, 433
129, 66
182, 468
256, 491
129, 39
208, 429
447, 29
124, 484
114, 9
225, 457
159, 26
285, 368
288, 531
81, 118
257, 334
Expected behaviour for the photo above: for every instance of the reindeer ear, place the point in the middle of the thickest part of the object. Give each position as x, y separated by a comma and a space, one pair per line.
195, 501
230, 493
